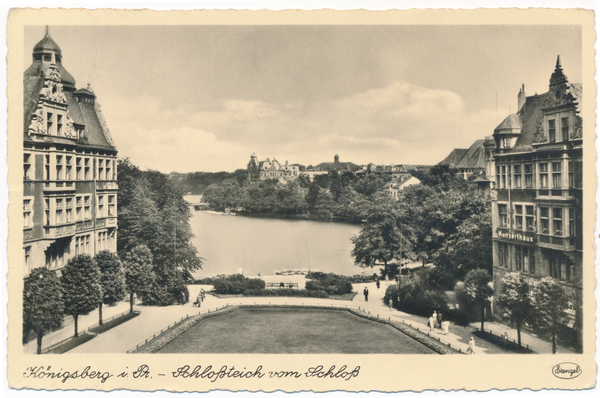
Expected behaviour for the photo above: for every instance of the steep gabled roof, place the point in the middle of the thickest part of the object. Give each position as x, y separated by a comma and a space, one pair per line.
474, 158
455, 157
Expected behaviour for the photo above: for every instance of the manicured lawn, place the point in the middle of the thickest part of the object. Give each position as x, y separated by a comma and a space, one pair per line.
289, 330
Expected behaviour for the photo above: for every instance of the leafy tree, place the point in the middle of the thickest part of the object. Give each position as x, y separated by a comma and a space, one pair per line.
470, 247
153, 213
43, 308
381, 239
137, 264
82, 292
549, 305
514, 299
416, 297
112, 279
477, 290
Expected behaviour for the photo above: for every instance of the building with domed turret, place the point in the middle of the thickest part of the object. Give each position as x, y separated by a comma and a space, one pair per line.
69, 166
537, 198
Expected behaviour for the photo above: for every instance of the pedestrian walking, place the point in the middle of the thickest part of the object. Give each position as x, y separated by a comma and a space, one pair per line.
378, 284
446, 327
387, 279
439, 319
434, 316
431, 323
471, 349
390, 302
366, 293
505, 339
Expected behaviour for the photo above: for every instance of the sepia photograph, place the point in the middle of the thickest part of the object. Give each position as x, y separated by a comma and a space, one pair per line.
269, 201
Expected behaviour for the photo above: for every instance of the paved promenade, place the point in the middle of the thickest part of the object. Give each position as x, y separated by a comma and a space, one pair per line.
153, 319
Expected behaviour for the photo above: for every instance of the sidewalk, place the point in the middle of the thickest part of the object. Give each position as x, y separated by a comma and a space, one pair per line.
153, 319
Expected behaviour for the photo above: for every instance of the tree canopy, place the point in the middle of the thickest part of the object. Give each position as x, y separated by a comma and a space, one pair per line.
139, 276
549, 305
43, 308
514, 299
112, 279
82, 292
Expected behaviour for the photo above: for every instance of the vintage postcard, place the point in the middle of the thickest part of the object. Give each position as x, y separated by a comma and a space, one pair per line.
301, 200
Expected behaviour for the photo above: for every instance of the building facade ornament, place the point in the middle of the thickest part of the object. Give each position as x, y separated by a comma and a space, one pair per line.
37, 124
577, 132
539, 136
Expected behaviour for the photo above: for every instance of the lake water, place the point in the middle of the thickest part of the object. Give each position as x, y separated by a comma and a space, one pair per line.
232, 244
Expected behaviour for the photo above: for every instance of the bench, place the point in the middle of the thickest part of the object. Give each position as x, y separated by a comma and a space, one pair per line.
282, 285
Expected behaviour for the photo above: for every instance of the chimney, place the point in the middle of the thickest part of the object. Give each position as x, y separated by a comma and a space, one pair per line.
522, 98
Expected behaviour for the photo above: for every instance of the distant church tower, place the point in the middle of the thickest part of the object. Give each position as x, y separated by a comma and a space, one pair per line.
336, 160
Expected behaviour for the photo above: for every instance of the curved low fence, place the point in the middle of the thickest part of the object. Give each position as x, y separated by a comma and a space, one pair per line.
158, 341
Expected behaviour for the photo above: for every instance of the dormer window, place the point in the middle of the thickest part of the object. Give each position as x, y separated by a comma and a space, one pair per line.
47, 57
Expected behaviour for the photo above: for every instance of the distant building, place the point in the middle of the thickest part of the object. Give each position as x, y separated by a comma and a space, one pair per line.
396, 171
396, 185
468, 161
537, 202
336, 166
69, 166
271, 169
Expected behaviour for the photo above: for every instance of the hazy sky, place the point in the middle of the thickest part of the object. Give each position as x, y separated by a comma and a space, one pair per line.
204, 98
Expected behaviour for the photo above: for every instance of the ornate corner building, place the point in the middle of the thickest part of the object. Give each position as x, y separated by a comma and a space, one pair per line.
537, 199
69, 166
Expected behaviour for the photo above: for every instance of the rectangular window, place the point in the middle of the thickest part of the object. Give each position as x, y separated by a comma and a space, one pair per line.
545, 220
528, 176
78, 168
27, 166
564, 125
518, 258
571, 222
556, 175
498, 176
503, 254
543, 175
49, 123
87, 244
47, 167
59, 211
101, 169
27, 213
552, 130
557, 220
78, 207
100, 206
503, 215
68, 167
59, 167
27, 256
571, 179
526, 259
46, 211
59, 125
519, 217
529, 218
503, 177
86, 207
86, 169
69, 209
77, 244
109, 170
517, 176
111, 206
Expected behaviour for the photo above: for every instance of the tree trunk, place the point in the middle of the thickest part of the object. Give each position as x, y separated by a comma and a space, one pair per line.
131, 303
75, 318
553, 342
519, 332
482, 315
40, 335
100, 314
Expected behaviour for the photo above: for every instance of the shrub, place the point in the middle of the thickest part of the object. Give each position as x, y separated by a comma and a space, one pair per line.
237, 284
332, 283
286, 293
416, 297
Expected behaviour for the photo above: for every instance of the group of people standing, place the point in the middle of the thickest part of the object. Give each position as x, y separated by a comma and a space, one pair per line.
436, 318
199, 298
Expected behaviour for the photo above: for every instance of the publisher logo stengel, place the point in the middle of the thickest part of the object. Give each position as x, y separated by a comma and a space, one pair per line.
566, 370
